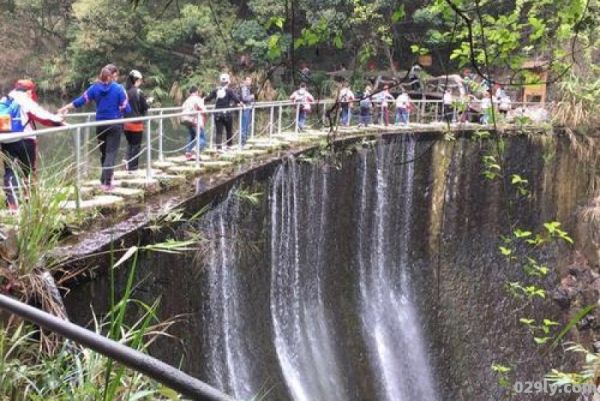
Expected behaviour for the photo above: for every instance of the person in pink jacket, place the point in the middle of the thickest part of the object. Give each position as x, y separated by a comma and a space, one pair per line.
25, 113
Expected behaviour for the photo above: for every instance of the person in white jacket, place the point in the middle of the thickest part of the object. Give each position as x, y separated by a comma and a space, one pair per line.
194, 104
22, 153
303, 98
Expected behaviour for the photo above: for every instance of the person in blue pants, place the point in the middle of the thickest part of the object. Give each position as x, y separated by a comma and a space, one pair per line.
248, 99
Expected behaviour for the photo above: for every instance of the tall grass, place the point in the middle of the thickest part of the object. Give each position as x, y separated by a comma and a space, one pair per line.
72, 373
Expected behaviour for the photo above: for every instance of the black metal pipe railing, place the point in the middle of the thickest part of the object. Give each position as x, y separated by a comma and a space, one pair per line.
136, 360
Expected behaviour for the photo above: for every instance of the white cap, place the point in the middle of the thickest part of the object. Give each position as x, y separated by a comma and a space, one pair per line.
136, 74
224, 78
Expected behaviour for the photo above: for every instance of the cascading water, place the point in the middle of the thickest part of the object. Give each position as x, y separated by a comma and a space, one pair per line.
390, 324
356, 280
224, 323
303, 339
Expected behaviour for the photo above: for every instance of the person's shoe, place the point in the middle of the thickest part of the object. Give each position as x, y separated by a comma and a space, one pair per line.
12, 208
189, 156
106, 188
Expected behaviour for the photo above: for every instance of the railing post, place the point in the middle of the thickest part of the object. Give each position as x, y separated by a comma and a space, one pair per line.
197, 145
160, 137
271, 121
252, 122
77, 168
297, 116
240, 130
212, 130
279, 120
86, 140
324, 113
149, 151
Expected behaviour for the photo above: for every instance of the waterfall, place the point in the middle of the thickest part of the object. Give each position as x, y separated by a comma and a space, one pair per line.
304, 342
307, 345
228, 356
390, 322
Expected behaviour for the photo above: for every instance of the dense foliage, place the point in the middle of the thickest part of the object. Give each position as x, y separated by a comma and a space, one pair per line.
63, 43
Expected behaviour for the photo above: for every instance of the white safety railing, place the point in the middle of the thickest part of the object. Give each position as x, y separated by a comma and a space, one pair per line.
163, 136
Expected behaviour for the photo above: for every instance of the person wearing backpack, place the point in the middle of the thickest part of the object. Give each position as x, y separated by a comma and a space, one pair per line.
111, 104
303, 98
134, 130
225, 98
19, 111
365, 105
346, 98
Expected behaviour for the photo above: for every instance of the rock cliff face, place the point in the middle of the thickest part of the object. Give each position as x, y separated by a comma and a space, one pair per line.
373, 277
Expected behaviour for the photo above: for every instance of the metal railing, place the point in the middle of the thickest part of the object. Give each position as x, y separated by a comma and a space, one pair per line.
267, 119
136, 360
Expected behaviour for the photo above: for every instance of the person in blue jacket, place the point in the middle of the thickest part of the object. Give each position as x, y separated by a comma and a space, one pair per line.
111, 104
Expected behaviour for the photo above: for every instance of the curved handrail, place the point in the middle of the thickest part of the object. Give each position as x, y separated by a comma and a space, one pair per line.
136, 360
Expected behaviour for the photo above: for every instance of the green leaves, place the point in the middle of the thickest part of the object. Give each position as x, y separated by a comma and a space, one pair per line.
496, 367
518, 233
520, 183
416, 49
502, 371
555, 232
252, 198
540, 332
491, 167
527, 322
337, 41
274, 49
277, 21
398, 14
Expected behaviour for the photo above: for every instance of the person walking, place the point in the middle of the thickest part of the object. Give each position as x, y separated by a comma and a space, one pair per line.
448, 109
365, 105
248, 99
303, 99
384, 97
134, 130
21, 112
225, 98
402, 108
504, 105
111, 104
486, 108
346, 98
194, 122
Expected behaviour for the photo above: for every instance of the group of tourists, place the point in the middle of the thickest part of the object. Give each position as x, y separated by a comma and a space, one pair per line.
374, 106
19, 112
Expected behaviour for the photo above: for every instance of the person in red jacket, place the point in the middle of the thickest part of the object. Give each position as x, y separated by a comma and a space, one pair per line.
28, 112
